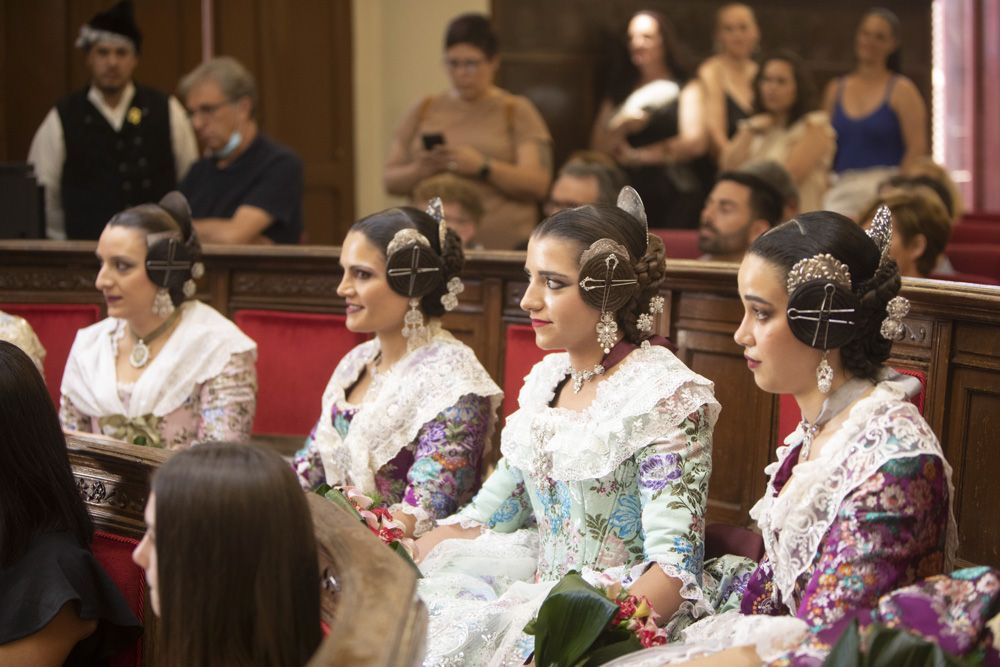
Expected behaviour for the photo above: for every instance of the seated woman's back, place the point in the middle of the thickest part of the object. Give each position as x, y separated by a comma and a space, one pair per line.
231, 560
57, 605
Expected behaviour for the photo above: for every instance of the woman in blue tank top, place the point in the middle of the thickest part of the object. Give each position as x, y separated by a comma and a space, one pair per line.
878, 114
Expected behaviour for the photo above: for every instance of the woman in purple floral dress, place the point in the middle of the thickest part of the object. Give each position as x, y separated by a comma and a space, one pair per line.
858, 505
406, 416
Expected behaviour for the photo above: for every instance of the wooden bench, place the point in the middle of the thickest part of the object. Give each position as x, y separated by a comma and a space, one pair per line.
953, 339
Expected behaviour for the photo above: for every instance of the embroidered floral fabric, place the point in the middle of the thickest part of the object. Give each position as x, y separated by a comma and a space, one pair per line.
222, 408
871, 514
611, 490
418, 437
432, 476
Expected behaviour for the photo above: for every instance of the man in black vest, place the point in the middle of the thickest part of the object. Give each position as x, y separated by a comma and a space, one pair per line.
114, 144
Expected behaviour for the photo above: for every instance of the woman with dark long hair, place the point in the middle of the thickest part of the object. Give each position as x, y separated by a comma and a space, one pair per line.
786, 128
231, 560
57, 605
879, 115
652, 122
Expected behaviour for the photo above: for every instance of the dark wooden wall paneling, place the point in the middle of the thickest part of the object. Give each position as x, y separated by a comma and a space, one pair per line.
299, 51
953, 339
556, 52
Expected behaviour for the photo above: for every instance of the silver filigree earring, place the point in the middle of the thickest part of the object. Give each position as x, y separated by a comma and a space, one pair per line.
163, 305
414, 329
824, 375
607, 331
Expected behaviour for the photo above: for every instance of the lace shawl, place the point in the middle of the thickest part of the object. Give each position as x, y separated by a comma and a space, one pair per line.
413, 391
651, 392
197, 350
881, 427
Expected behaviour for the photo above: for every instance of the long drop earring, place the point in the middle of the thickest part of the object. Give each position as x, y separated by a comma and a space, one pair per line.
414, 329
163, 305
824, 375
607, 331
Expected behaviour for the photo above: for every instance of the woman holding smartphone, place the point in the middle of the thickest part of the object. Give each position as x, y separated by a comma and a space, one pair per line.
496, 141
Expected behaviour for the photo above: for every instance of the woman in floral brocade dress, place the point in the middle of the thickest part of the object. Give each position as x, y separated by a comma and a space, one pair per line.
611, 463
407, 415
858, 507
164, 369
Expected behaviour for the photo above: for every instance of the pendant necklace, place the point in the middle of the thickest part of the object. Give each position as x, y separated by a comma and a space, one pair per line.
140, 349
835, 403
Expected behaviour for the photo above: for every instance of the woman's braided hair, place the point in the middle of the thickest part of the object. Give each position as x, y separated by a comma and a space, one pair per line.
379, 228
873, 280
586, 224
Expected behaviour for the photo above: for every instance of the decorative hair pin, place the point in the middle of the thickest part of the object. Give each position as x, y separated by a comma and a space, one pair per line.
898, 307
821, 306
435, 209
818, 267
454, 286
880, 231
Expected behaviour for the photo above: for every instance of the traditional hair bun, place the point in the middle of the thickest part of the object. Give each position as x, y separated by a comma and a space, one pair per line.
607, 277
413, 269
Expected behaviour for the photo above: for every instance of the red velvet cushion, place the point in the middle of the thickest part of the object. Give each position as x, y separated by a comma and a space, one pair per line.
114, 553
976, 258
296, 354
55, 325
679, 243
721, 539
520, 355
976, 232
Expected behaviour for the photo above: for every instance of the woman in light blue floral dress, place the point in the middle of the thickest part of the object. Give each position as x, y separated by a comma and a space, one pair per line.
605, 465
406, 416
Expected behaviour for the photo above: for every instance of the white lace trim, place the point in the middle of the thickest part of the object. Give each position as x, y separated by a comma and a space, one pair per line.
461, 520
771, 636
651, 392
197, 350
691, 591
880, 428
424, 521
418, 387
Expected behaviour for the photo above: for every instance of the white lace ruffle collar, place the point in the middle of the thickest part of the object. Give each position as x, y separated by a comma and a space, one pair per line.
418, 387
197, 350
881, 427
649, 393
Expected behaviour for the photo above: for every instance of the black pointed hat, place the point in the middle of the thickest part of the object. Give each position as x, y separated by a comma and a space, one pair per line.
119, 20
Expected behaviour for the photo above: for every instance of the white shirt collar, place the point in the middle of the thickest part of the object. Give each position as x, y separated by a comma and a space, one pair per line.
114, 116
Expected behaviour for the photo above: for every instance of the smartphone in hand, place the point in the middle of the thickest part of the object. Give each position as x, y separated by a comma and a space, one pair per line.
432, 139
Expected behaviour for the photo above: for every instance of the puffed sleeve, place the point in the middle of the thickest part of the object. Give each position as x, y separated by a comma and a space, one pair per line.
445, 468
888, 533
673, 474
229, 401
